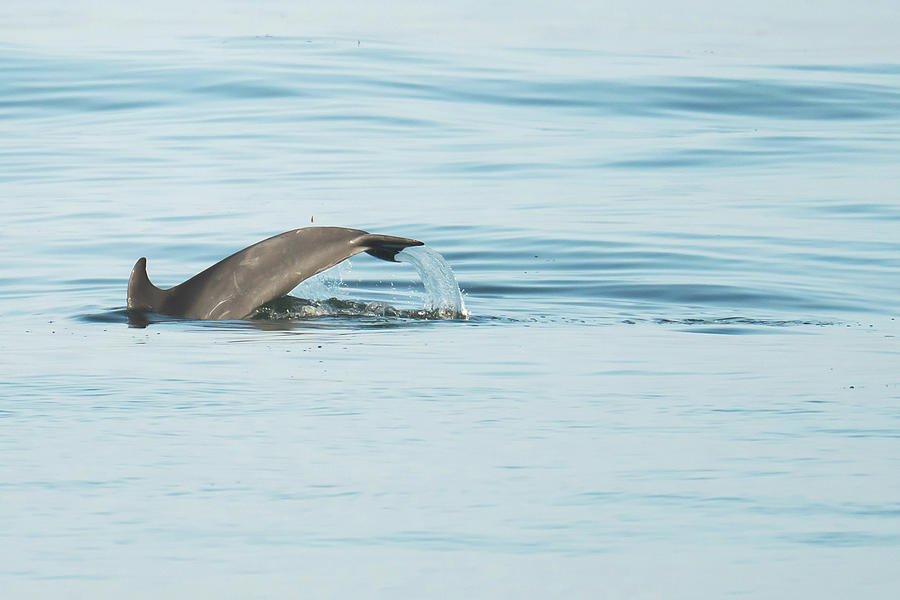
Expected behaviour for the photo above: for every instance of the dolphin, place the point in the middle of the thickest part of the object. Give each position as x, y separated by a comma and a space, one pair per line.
234, 287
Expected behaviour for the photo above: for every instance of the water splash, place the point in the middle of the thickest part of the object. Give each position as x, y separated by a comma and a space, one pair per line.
444, 299
291, 308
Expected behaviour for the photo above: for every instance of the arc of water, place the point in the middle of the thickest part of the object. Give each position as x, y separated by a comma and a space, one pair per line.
441, 288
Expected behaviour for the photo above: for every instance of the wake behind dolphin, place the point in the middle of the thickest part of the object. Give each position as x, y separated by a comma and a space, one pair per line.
236, 286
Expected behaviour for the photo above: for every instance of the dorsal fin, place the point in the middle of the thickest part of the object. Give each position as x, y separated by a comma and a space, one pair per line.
143, 295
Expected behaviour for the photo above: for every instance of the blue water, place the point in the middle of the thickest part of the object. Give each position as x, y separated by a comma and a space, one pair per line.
574, 437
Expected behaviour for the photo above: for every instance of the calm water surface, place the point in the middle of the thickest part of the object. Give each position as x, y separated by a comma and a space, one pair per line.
680, 377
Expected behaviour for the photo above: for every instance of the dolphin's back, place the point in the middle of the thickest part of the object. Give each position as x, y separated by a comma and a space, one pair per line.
234, 287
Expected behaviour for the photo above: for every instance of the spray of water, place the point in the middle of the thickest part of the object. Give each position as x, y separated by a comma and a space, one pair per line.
444, 299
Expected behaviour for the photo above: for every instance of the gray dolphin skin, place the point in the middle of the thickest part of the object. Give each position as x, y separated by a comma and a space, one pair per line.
234, 287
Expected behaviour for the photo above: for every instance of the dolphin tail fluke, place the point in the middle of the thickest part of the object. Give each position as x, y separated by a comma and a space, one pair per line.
143, 295
385, 247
